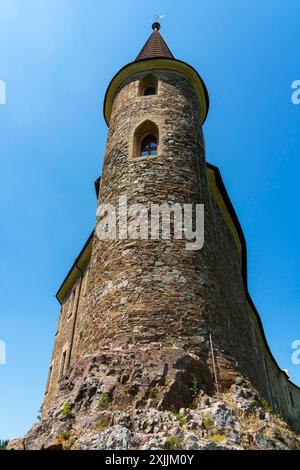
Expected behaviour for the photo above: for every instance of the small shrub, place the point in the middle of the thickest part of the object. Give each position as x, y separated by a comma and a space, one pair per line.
265, 406
174, 443
67, 409
194, 387
181, 419
104, 401
239, 379
169, 343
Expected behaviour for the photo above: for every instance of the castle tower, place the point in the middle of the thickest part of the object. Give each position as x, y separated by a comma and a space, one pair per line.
157, 319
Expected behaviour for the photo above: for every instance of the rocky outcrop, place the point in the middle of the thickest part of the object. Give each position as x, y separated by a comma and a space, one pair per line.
162, 400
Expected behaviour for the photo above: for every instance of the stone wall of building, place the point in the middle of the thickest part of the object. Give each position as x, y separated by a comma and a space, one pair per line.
68, 337
143, 295
145, 291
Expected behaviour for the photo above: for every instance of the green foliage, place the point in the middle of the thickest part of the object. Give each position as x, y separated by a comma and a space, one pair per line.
194, 387
208, 421
153, 395
67, 409
3, 444
238, 379
174, 443
169, 343
104, 401
181, 419
265, 406
217, 438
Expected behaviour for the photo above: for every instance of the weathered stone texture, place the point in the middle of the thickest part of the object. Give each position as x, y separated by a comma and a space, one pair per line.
235, 420
140, 292
151, 295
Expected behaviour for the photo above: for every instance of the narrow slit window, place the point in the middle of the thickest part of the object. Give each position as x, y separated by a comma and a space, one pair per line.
148, 146
86, 278
72, 303
63, 364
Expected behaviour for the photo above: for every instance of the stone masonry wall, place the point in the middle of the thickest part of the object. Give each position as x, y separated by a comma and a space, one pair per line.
67, 338
155, 293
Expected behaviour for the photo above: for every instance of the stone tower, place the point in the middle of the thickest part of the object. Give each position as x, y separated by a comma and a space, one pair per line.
157, 322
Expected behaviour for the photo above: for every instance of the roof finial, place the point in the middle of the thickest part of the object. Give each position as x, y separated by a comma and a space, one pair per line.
155, 47
155, 22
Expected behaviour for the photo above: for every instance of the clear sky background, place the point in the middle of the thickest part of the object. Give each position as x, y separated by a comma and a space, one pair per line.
57, 58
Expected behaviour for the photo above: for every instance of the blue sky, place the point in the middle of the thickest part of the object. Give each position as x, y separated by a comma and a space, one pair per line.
57, 58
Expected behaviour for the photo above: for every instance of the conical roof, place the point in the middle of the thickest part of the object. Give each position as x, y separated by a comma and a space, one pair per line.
155, 47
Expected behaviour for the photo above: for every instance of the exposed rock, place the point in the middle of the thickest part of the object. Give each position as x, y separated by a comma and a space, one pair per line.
16, 444
262, 442
233, 420
114, 438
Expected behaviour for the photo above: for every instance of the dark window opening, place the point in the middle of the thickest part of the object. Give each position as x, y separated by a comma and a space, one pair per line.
146, 140
148, 86
149, 146
63, 363
150, 91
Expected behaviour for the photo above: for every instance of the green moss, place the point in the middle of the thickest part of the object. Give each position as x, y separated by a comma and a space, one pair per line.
265, 406
67, 409
217, 438
208, 421
104, 401
174, 443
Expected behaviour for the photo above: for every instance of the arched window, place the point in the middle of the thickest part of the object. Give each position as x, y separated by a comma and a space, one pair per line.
150, 91
146, 140
148, 86
148, 146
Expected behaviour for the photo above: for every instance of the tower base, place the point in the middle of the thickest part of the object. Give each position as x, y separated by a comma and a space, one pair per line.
156, 397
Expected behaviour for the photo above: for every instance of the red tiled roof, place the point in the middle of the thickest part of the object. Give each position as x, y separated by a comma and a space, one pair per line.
155, 47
